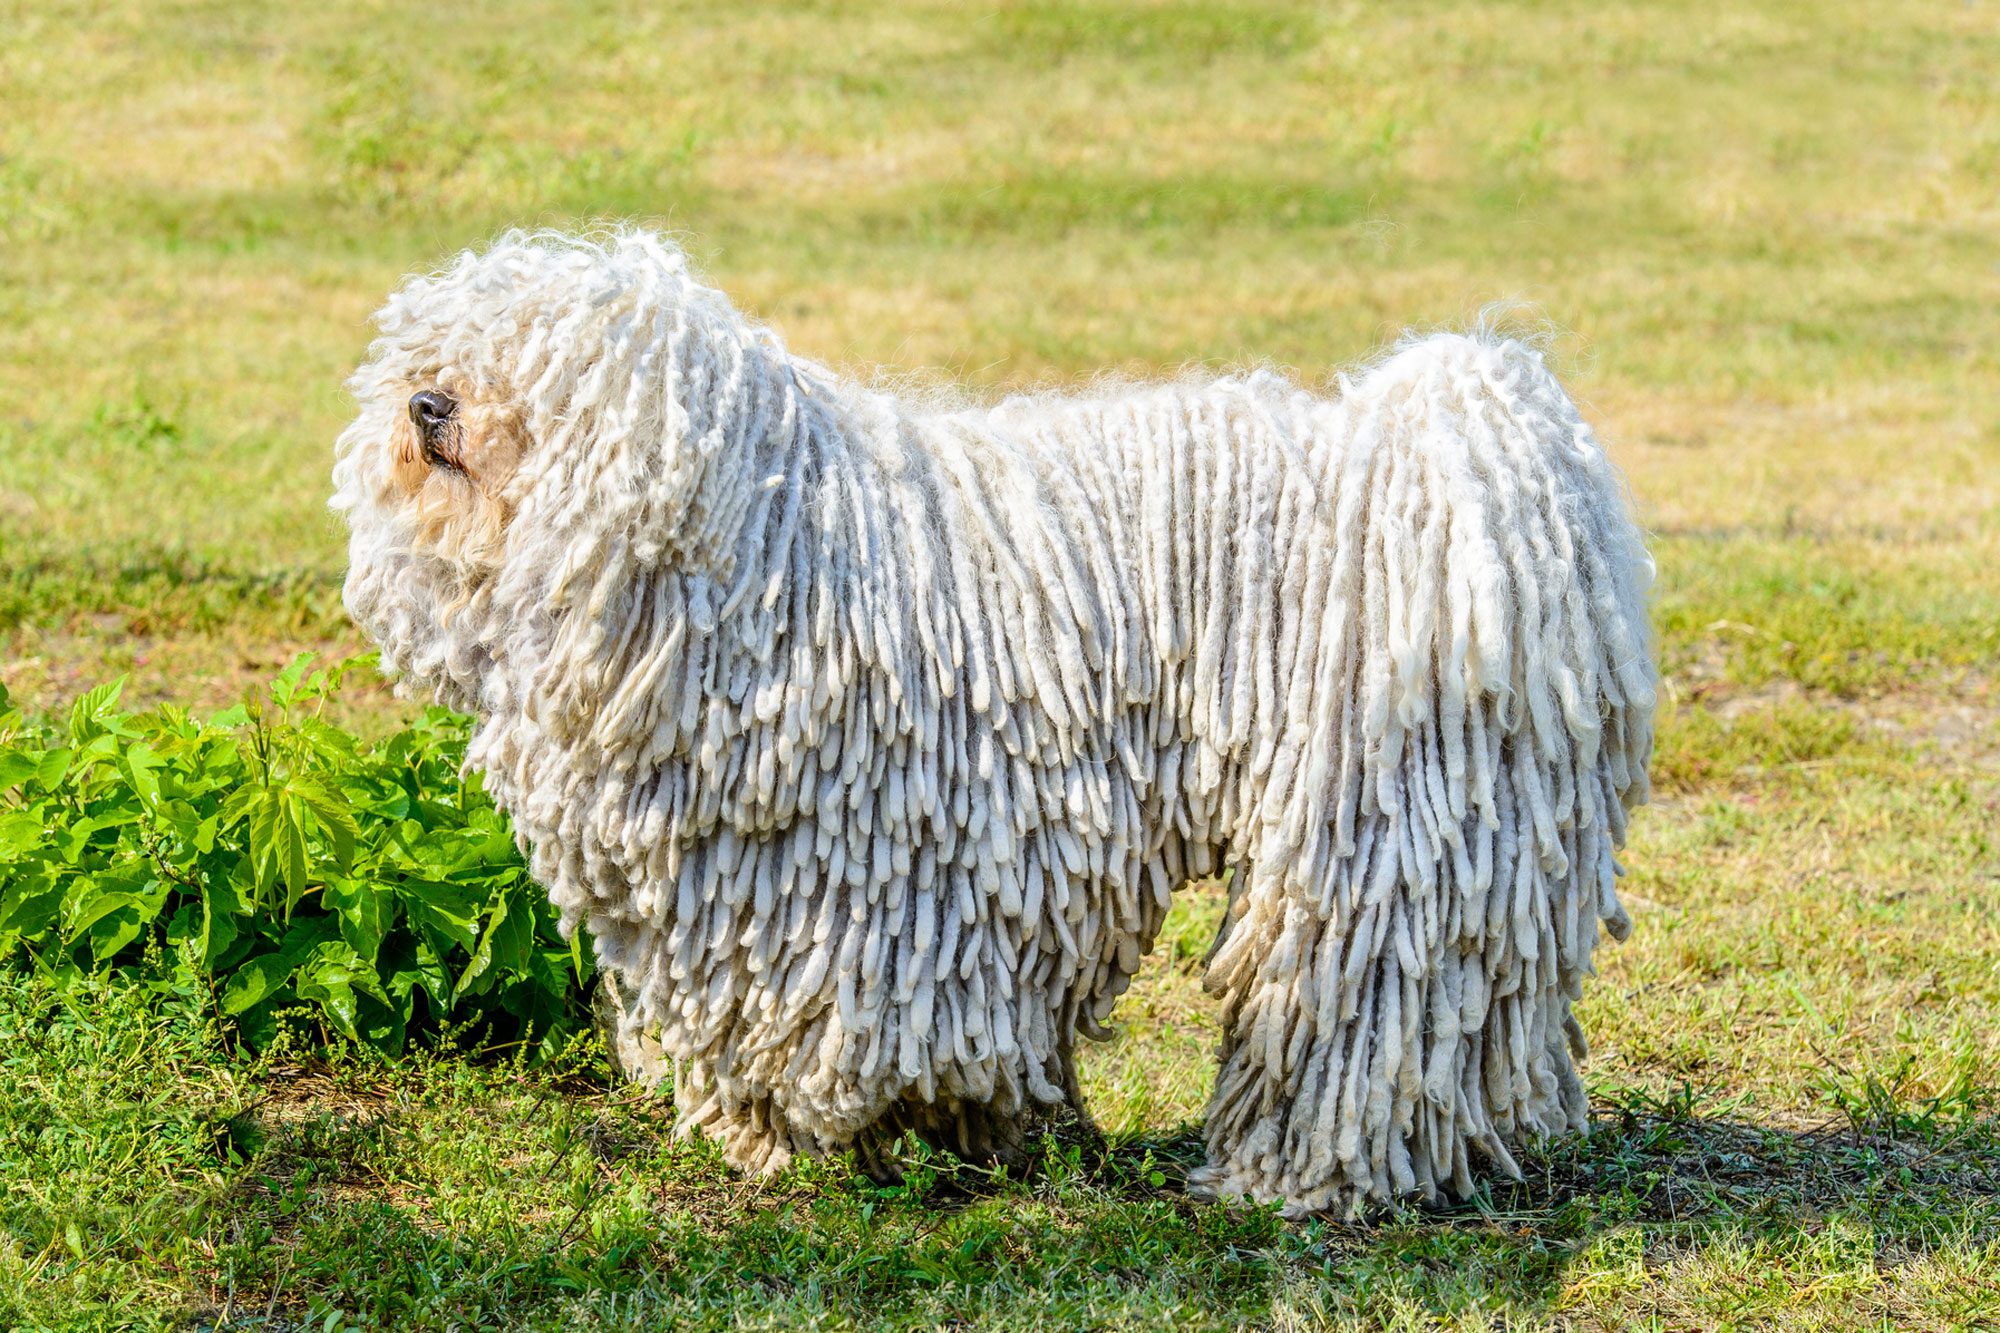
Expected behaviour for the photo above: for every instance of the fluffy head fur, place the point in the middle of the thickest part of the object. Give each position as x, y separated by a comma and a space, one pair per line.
871, 741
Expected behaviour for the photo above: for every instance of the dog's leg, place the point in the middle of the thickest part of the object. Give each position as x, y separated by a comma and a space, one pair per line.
1316, 1102
634, 1054
1398, 980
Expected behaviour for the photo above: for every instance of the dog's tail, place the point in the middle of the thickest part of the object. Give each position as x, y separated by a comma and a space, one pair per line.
1419, 904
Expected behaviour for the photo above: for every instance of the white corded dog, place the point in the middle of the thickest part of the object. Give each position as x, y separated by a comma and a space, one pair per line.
871, 739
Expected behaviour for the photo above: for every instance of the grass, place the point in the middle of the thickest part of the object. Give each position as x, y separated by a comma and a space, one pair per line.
1764, 244
151, 1178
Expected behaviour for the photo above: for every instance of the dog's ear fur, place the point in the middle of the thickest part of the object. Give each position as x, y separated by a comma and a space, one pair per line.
650, 427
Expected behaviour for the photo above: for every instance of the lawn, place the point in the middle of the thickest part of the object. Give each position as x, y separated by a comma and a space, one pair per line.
1763, 244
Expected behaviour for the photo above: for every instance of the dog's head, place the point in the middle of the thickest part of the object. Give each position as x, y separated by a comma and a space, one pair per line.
535, 420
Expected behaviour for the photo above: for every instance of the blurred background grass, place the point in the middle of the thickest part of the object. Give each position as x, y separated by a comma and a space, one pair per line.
1763, 241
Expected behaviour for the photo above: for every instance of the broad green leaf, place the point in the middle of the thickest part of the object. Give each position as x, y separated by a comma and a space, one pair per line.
330, 742
384, 1026
285, 688
514, 935
396, 806
110, 933
426, 971
87, 715
277, 844
332, 812
365, 911
90, 900
55, 767
333, 992
290, 849
550, 970
441, 910
331, 976
177, 814
243, 801
17, 766
503, 945
220, 906
257, 978
21, 832
254, 979
188, 824
71, 839
31, 899
140, 761
101, 747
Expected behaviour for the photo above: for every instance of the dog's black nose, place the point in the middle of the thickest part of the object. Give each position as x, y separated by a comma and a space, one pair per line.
430, 410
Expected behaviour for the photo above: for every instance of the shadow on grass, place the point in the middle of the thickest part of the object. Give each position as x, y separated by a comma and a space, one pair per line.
1100, 1232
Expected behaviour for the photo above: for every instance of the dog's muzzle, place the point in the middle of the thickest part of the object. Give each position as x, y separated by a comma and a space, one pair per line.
431, 412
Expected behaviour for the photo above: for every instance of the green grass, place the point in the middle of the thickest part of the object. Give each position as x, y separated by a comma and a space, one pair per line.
150, 1178
1764, 242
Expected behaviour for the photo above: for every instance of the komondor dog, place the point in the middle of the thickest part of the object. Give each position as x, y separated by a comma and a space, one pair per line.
871, 739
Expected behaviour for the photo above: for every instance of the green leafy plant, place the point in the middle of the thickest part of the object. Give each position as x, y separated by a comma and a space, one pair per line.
270, 862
